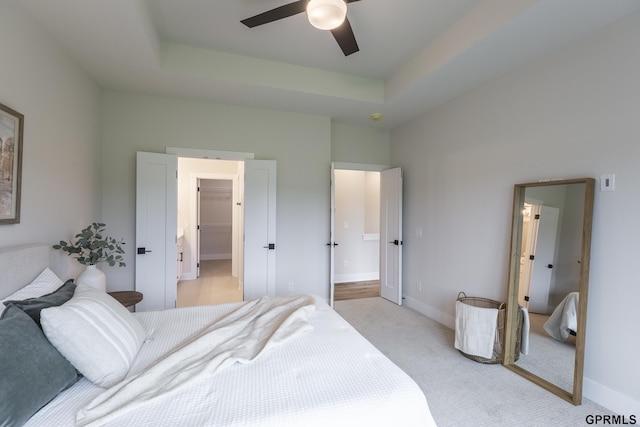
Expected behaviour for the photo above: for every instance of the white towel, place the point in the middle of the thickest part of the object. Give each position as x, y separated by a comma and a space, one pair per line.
524, 335
475, 329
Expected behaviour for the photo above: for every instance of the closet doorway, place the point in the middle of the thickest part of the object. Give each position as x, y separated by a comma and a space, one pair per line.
209, 207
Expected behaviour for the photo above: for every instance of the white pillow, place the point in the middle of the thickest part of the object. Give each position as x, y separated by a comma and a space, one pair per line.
95, 333
44, 284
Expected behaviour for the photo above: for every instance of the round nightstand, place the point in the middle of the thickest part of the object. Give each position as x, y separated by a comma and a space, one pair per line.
127, 298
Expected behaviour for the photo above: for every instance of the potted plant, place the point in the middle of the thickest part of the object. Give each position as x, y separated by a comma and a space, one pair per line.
90, 247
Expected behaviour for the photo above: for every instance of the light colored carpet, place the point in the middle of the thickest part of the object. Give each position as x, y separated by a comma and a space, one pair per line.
460, 392
548, 358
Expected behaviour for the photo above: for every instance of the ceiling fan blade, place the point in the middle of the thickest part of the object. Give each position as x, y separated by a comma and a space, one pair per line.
277, 13
345, 38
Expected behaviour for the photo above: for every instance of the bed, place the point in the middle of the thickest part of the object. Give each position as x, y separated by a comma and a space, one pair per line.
319, 372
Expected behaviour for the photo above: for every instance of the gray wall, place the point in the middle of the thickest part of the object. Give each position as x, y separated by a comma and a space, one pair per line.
299, 143
573, 114
61, 190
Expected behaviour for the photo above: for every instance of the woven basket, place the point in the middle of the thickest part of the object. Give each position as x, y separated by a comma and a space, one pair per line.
498, 345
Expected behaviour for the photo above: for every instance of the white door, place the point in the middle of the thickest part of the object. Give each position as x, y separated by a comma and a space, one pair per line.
391, 235
260, 228
156, 230
198, 230
332, 243
544, 259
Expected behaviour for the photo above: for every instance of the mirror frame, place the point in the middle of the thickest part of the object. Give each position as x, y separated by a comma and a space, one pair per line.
514, 272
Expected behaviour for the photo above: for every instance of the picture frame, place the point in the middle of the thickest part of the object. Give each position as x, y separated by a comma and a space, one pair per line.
11, 130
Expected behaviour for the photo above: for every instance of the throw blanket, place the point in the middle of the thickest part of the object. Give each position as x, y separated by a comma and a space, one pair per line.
564, 318
240, 336
475, 332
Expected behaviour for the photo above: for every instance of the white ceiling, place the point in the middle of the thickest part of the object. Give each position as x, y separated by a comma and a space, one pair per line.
414, 54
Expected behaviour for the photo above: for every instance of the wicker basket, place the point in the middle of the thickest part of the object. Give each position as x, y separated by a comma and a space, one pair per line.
498, 345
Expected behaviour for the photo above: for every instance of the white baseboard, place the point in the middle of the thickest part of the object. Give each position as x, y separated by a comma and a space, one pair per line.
440, 317
609, 398
188, 276
356, 277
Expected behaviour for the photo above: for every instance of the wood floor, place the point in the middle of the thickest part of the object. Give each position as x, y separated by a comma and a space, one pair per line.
353, 290
216, 286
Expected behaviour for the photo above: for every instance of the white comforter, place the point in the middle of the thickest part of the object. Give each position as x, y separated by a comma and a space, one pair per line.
330, 375
240, 336
564, 318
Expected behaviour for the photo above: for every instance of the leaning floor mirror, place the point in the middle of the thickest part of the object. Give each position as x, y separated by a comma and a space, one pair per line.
548, 282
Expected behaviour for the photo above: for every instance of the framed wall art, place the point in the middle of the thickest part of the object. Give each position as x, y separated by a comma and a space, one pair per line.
11, 128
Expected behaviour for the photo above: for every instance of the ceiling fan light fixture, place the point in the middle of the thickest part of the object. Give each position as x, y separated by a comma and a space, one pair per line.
326, 14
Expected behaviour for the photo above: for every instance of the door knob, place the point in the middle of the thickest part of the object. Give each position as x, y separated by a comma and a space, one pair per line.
142, 251
270, 246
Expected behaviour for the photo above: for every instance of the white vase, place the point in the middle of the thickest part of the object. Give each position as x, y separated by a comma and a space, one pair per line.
93, 277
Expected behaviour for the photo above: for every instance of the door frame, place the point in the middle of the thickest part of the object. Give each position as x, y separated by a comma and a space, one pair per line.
342, 166
194, 219
240, 157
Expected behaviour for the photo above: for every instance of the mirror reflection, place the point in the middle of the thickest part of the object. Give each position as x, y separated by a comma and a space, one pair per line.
549, 274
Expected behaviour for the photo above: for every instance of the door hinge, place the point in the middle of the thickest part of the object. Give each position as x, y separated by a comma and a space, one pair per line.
532, 257
526, 297
536, 216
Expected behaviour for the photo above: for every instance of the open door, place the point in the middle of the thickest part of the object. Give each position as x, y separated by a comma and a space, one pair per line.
260, 228
543, 260
391, 235
156, 230
332, 239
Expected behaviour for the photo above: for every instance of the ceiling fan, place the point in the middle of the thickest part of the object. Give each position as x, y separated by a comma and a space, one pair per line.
323, 14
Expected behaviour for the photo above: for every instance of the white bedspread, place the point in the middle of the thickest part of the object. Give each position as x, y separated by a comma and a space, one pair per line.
240, 336
564, 318
329, 376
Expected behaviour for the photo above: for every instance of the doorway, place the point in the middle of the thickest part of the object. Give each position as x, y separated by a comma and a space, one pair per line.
210, 219
159, 235
357, 234
389, 238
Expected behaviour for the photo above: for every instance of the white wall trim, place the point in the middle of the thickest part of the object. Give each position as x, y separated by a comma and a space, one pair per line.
357, 277
198, 153
437, 315
187, 276
609, 398
358, 166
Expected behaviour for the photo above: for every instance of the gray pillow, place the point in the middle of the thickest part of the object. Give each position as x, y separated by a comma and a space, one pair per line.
33, 306
32, 371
